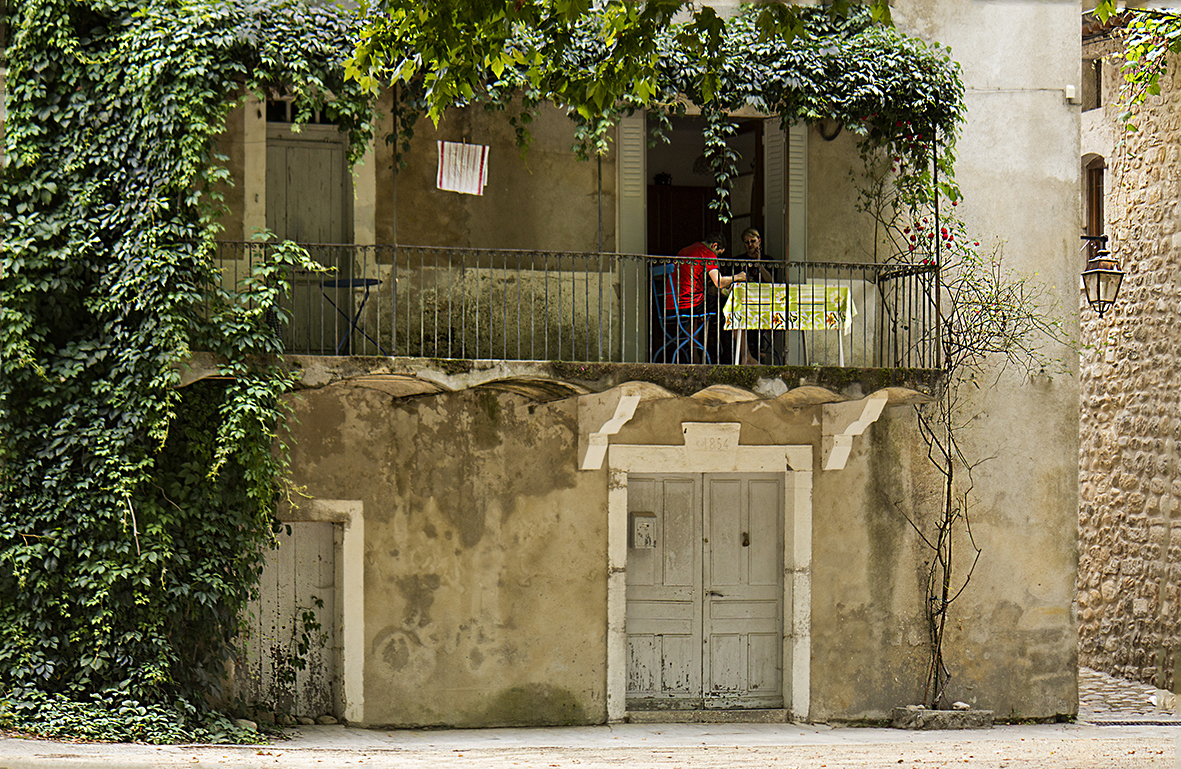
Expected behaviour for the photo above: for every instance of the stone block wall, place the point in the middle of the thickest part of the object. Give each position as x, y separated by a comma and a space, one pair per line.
1129, 577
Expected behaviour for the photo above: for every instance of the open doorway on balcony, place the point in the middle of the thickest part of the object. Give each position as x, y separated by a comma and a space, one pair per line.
680, 186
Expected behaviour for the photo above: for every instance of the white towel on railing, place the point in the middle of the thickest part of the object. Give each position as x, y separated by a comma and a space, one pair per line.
463, 167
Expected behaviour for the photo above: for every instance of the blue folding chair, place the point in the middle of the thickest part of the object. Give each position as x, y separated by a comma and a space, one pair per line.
684, 330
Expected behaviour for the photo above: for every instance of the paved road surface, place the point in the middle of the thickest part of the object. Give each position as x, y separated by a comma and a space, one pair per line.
1138, 734
641, 746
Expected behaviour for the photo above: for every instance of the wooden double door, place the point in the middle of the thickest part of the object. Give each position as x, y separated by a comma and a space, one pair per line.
705, 591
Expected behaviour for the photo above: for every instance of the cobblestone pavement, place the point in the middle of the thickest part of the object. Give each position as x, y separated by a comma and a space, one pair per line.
1105, 699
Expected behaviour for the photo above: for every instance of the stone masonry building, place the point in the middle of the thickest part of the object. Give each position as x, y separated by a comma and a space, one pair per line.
1130, 427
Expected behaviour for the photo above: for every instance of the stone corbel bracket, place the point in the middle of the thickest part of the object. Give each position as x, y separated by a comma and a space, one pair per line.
842, 422
601, 416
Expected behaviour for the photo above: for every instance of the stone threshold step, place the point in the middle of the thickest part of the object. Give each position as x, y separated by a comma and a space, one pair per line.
1116, 720
765, 716
923, 718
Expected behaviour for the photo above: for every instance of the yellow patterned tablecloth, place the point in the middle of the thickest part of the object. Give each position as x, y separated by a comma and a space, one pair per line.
806, 307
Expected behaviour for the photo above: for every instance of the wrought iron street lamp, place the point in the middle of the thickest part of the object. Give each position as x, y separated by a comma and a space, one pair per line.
1101, 281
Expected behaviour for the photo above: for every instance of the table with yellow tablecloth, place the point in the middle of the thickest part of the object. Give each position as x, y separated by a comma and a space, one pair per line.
790, 306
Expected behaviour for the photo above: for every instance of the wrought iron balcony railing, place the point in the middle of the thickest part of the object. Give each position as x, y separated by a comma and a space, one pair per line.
416, 301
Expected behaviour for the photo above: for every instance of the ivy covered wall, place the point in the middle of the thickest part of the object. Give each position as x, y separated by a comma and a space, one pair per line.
133, 515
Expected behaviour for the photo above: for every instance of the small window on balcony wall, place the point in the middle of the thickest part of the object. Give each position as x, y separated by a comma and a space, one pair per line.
282, 110
1092, 84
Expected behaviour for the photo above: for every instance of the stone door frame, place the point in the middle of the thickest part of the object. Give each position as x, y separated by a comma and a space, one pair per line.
349, 514
714, 448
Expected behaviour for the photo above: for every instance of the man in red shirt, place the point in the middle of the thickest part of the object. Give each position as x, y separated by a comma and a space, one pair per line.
698, 262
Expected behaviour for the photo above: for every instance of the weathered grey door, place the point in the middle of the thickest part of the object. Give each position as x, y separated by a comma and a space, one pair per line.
290, 649
664, 596
705, 591
742, 622
308, 202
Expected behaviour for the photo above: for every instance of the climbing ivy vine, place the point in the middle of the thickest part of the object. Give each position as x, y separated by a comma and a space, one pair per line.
134, 514
890, 90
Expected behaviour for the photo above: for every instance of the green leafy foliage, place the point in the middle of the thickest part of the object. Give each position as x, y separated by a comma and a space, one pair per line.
1105, 9
888, 89
134, 515
450, 47
105, 719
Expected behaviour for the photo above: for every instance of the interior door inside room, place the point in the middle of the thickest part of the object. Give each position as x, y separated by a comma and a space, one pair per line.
705, 591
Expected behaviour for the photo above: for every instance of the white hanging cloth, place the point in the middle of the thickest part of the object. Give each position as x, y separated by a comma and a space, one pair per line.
462, 167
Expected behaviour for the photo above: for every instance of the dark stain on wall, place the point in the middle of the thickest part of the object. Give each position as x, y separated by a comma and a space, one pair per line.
418, 592
873, 642
320, 420
885, 515
534, 705
393, 646
1006, 615
484, 458
396, 653
486, 424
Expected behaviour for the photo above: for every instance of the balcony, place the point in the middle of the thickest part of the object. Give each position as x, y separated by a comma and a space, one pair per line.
544, 315
483, 304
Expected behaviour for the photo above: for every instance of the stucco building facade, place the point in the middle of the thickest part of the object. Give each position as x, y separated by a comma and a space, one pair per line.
511, 539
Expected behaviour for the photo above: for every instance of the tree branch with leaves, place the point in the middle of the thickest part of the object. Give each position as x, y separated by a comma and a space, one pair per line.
1149, 36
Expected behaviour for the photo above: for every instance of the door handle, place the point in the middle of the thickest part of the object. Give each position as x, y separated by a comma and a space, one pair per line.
715, 593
